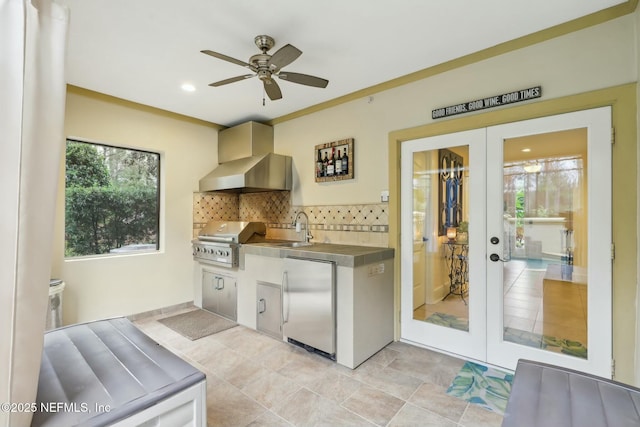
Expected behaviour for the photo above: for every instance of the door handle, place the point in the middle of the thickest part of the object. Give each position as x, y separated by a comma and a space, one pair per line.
262, 306
218, 281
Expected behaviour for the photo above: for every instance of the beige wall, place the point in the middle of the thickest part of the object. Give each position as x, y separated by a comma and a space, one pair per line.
120, 285
597, 57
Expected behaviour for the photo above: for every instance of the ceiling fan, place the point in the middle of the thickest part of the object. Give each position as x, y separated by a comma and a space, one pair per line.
267, 66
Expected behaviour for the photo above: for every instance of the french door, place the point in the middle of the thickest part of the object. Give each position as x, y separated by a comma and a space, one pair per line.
509, 231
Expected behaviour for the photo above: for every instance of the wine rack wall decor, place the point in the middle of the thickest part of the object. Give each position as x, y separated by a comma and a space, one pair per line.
334, 160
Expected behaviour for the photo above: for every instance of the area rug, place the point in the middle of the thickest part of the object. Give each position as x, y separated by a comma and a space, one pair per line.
197, 324
483, 386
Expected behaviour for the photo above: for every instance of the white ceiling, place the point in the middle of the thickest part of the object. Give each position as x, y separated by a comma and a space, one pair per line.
144, 50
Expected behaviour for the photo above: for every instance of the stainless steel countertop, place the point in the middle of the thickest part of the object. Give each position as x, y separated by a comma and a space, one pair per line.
342, 255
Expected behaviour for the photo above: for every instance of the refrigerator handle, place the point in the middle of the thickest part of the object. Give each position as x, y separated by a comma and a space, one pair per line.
285, 297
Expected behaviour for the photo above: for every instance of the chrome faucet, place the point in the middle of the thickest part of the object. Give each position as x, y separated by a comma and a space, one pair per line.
307, 234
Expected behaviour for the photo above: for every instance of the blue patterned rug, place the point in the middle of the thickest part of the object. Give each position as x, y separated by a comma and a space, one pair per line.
480, 385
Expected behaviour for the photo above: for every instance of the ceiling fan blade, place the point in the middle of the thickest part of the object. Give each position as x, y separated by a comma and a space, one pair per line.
228, 59
231, 80
272, 89
283, 57
303, 79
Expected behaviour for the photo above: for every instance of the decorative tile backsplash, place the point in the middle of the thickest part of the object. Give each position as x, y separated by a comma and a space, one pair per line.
272, 207
214, 206
366, 224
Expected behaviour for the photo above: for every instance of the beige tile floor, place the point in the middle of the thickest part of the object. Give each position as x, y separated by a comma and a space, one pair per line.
255, 380
533, 302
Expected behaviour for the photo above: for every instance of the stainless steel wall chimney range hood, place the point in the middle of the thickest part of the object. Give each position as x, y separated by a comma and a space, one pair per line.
247, 162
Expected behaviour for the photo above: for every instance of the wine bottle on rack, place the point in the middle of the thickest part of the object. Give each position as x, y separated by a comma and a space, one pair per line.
319, 165
339, 164
325, 165
331, 169
345, 162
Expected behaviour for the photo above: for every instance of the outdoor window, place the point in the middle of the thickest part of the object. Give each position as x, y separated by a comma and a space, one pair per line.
112, 199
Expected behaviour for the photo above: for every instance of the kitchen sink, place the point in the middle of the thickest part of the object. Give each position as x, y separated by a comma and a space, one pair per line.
294, 244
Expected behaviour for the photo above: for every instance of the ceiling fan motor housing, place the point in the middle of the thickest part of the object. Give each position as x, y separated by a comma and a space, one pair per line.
264, 42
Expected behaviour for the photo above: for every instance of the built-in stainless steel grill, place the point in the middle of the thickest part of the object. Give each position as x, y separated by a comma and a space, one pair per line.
219, 241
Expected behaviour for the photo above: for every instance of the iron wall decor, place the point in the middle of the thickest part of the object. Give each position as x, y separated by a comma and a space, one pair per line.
334, 160
449, 190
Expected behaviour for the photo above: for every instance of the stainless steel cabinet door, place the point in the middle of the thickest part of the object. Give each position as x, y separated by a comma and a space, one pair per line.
227, 302
209, 292
219, 294
269, 309
309, 303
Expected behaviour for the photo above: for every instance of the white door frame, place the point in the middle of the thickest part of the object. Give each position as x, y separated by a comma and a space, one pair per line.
484, 341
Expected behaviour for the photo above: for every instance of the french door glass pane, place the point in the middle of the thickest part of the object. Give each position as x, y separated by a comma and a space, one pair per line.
440, 237
545, 238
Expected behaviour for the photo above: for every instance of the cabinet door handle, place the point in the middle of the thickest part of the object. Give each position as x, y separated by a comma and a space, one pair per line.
262, 306
219, 280
285, 297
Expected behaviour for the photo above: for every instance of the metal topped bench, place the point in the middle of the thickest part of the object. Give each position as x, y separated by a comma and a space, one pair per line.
545, 395
108, 372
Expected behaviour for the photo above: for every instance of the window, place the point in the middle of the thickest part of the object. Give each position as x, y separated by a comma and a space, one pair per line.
112, 199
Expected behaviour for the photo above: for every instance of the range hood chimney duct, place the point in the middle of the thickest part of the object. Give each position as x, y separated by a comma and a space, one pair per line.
247, 162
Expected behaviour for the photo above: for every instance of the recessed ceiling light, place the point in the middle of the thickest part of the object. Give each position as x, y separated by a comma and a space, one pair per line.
526, 150
188, 87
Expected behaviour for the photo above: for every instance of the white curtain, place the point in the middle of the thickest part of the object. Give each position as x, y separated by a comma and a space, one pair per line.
32, 98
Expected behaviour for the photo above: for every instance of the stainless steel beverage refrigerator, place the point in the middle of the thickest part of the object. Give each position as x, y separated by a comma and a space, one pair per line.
308, 304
